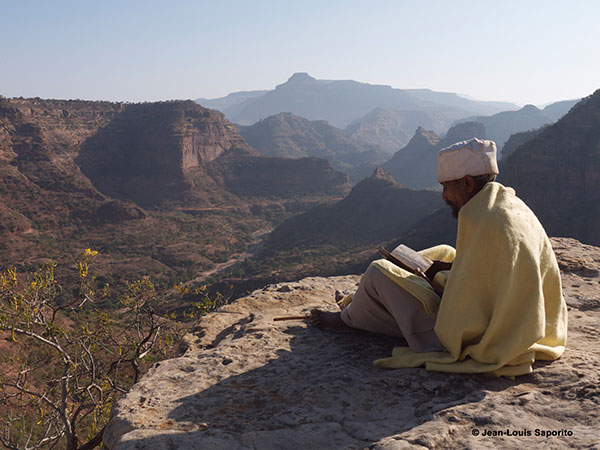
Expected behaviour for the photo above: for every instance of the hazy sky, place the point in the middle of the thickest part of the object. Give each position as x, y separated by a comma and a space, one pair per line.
525, 51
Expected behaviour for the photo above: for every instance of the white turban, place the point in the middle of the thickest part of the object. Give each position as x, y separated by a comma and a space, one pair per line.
473, 157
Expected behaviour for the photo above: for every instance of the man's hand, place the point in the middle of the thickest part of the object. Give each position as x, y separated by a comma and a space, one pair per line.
436, 267
420, 273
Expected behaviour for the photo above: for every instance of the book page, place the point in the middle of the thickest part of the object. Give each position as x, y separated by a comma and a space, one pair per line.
411, 258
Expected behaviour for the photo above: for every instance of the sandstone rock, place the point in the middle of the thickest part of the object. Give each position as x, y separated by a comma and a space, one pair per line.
248, 382
149, 152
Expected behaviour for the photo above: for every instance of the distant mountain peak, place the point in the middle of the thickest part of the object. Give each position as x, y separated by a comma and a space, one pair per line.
379, 180
301, 77
465, 130
381, 174
421, 135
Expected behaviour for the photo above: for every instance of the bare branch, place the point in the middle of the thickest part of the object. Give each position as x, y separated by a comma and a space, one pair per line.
42, 397
7, 444
54, 345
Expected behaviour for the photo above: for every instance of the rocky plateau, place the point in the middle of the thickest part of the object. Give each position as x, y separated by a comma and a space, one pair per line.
247, 382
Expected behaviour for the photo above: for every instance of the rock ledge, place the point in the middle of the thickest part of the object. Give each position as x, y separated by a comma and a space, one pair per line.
247, 382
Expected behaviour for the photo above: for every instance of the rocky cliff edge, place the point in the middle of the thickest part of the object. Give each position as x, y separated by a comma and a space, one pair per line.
246, 382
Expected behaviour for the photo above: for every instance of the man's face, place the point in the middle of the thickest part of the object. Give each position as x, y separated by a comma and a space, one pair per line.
456, 194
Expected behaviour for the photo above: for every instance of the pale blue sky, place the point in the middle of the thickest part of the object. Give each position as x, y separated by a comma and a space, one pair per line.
527, 51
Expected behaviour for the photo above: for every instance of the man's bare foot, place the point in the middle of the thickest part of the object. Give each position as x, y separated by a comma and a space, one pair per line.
330, 321
338, 296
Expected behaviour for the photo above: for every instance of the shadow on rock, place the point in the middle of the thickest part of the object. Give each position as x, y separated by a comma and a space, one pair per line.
323, 393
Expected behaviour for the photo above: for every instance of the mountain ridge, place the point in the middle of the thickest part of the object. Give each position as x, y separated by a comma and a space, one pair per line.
342, 101
499, 127
564, 158
291, 136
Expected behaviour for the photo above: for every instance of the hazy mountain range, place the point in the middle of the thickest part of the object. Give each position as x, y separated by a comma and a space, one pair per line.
174, 189
341, 102
358, 126
557, 172
415, 166
391, 130
499, 127
554, 170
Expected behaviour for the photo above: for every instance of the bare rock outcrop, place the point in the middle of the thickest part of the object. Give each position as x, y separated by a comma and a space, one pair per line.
247, 382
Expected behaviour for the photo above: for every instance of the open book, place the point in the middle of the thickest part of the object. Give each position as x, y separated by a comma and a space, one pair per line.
406, 258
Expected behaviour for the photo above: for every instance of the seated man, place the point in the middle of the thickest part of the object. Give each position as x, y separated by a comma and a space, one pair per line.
501, 306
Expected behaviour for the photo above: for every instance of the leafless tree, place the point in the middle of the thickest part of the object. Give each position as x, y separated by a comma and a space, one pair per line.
68, 360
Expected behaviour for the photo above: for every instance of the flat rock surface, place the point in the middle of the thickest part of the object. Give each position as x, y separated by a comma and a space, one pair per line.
247, 382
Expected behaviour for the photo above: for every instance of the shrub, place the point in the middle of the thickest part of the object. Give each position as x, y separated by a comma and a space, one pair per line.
69, 360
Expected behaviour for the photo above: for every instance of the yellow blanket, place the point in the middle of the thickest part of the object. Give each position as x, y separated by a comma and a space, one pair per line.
502, 306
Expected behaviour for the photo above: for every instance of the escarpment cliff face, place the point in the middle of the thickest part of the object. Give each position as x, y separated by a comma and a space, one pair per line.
39, 139
246, 381
147, 153
180, 150
557, 173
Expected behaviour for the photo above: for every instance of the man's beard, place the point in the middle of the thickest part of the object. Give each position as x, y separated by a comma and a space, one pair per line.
455, 209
